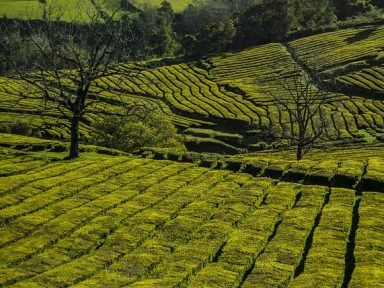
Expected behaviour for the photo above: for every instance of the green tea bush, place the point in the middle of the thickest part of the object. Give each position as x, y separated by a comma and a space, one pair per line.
5, 128
129, 133
19, 128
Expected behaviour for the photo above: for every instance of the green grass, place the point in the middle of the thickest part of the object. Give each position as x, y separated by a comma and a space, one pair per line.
20, 9
31, 9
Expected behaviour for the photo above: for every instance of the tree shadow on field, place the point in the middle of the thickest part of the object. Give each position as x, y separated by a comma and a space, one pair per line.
361, 36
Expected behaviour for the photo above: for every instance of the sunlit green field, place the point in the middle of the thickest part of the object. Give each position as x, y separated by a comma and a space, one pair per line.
123, 221
69, 9
64, 9
16, 9
178, 219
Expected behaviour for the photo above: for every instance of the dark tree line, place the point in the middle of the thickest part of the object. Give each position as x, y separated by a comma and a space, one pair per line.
214, 26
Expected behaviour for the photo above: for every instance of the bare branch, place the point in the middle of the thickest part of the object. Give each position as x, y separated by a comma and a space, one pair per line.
303, 101
62, 62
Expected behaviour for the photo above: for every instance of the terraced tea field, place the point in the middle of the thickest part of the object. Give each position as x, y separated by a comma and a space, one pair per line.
231, 93
125, 221
258, 72
342, 48
354, 56
163, 218
369, 80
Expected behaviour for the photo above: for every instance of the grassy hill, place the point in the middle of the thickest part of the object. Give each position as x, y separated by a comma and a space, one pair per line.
31, 9
104, 221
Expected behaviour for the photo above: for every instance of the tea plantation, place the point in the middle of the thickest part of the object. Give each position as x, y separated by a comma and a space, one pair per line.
161, 218
125, 221
231, 93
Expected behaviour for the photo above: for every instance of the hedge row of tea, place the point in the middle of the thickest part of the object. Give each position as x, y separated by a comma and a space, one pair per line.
346, 48
353, 56
356, 167
126, 221
25, 145
259, 71
370, 80
360, 169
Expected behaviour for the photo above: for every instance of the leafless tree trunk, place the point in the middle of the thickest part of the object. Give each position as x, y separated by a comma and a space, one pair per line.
303, 102
62, 61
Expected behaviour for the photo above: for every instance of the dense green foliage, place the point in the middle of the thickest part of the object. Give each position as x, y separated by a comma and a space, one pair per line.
209, 26
129, 133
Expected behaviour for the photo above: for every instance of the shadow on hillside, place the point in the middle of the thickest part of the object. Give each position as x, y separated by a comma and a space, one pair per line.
361, 36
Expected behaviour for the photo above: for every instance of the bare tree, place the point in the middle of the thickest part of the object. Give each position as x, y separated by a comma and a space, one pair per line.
303, 102
62, 61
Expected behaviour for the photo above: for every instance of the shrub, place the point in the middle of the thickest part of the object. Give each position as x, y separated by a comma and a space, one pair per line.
19, 128
5, 128
132, 132
261, 145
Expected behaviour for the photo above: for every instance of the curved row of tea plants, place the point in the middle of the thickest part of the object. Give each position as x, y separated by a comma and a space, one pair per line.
368, 80
259, 71
232, 92
346, 48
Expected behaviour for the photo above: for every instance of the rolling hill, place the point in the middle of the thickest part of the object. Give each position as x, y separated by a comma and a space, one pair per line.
229, 94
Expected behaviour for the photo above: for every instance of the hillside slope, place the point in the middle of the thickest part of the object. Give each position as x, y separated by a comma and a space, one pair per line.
230, 93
